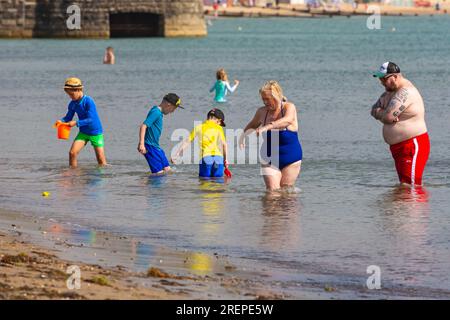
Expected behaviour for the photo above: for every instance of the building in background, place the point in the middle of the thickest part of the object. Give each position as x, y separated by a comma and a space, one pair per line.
102, 18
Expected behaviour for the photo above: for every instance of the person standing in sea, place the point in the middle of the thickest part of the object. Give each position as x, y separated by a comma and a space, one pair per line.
281, 151
401, 110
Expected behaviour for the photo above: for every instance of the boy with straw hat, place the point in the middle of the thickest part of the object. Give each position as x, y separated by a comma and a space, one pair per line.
88, 122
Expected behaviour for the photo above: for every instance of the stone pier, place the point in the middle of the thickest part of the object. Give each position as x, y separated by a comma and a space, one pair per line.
102, 18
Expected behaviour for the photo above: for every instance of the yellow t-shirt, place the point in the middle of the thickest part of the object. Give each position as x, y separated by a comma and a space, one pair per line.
210, 136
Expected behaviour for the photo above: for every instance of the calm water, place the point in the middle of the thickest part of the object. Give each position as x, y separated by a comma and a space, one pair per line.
348, 214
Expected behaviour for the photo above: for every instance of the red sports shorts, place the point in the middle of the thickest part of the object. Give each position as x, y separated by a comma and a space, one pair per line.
410, 157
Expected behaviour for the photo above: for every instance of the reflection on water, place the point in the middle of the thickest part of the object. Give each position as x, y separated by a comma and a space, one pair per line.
79, 181
78, 235
200, 263
405, 217
212, 205
156, 181
281, 229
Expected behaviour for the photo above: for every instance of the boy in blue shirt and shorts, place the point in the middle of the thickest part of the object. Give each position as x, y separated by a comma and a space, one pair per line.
88, 121
150, 132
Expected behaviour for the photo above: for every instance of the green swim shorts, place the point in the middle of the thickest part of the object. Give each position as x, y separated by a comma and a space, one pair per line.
96, 141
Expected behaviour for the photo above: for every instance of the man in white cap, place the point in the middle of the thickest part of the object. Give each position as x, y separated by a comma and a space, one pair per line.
401, 110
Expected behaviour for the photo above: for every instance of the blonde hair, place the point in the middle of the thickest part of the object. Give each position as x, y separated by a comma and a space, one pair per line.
275, 88
221, 75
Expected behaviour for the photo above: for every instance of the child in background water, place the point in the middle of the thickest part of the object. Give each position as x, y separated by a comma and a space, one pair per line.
222, 86
109, 57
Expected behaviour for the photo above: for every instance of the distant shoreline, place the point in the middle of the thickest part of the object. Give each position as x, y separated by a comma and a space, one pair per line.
301, 11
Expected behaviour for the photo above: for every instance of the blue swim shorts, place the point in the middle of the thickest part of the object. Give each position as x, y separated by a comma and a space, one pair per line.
156, 158
211, 166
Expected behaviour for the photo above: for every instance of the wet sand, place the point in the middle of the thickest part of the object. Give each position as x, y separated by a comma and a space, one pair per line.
34, 262
37, 269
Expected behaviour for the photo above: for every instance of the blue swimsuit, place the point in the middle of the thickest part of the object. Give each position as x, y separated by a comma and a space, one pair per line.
289, 147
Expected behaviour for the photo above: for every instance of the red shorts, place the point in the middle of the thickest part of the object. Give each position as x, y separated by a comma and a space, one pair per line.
410, 157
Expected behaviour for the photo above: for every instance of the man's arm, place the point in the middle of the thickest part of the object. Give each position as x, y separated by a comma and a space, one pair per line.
398, 104
377, 108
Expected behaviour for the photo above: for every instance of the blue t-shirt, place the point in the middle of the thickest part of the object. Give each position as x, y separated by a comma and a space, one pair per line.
154, 123
88, 119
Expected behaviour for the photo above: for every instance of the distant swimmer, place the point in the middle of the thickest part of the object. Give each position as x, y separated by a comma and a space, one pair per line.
109, 57
150, 132
401, 110
213, 146
281, 152
88, 121
222, 86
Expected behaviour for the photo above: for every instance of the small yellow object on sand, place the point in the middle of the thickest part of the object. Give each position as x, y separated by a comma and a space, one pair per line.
45, 194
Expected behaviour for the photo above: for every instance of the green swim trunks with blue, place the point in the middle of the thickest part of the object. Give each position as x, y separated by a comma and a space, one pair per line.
97, 141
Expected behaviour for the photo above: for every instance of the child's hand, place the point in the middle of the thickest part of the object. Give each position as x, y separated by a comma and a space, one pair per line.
72, 123
236, 81
173, 159
57, 123
141, 148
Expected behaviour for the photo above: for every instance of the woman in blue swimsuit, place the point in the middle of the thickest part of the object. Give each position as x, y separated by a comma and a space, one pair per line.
281, 151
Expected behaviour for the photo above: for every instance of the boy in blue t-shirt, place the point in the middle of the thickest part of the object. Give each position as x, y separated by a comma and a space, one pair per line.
88, 121
150, 132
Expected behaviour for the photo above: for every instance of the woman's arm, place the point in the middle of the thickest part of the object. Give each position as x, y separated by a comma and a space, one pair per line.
252, 125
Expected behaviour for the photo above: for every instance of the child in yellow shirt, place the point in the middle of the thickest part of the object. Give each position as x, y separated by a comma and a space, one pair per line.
213, 146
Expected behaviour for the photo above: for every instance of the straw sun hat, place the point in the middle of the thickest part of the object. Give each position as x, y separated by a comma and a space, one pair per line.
73, 83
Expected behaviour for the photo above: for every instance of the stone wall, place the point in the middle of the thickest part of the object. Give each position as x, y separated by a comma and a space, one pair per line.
47, 18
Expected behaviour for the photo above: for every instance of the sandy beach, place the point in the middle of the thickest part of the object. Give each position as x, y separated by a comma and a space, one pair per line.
34, 265
30, 270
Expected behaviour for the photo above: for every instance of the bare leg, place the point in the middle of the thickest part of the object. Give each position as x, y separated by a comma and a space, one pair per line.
290, 174
77, 145
100, 154
272, 177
